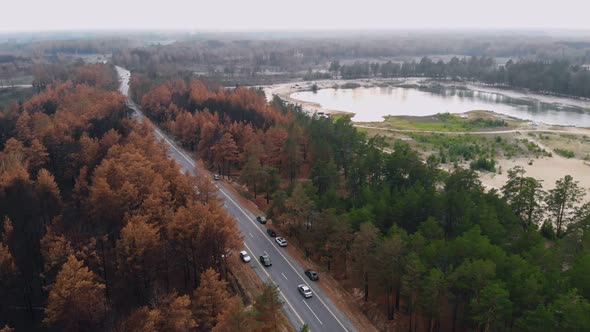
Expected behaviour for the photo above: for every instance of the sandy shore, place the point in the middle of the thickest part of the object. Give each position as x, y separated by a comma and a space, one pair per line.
547, 169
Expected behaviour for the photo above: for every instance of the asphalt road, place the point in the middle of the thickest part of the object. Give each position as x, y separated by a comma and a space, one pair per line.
318, 312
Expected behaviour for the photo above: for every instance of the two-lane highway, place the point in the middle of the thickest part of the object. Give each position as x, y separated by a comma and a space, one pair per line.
318, 312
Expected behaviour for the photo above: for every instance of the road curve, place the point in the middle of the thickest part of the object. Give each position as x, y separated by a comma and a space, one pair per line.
318, 312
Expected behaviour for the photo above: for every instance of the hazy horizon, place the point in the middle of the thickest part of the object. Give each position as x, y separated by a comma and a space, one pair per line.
304, 15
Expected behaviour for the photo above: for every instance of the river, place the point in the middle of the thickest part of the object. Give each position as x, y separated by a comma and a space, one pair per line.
373, 103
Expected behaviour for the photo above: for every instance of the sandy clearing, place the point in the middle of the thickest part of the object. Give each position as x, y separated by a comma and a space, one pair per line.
546, 169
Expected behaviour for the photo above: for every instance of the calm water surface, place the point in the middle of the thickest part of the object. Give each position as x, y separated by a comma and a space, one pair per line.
371, 104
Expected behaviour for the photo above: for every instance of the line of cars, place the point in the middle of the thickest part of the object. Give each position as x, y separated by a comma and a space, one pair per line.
267, 262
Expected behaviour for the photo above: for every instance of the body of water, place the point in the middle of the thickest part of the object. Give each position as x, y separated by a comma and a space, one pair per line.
372, 104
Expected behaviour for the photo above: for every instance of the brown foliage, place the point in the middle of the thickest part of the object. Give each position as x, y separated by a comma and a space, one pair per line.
139, 253
202, 234
171, 314
48, 195
55, 249
7, 328
8, 268
7, 231
76, 297
127, 214
209, 299
234, 318
98, 75
140, 320
175, 313
273, 147
225, 152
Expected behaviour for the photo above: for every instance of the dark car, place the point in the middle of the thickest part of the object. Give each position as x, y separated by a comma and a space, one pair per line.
271, 232
261, 219
265, 260
313, 275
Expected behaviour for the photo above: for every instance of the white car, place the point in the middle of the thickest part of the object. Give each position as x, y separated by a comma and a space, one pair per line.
244, 255
282, 242
305, 291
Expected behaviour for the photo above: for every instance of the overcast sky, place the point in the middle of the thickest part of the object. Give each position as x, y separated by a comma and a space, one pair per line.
35, 15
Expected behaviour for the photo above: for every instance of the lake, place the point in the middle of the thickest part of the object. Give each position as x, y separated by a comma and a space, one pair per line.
373, 103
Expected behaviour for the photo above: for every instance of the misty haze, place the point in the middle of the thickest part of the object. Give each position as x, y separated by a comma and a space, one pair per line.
307, 166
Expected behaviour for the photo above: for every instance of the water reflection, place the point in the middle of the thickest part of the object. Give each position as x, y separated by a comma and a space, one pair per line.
371, 104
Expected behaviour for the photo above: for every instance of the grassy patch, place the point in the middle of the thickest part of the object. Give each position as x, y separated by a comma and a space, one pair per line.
565, 153
577, 144
456, 148
476, 120
533, 148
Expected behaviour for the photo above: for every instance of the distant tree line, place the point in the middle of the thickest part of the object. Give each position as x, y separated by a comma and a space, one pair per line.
559, 77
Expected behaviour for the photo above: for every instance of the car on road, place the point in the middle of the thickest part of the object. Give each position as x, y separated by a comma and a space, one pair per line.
244, 255
261, 219
282, 242
305, 291
216, 177
271, 232
313, 275
265, 260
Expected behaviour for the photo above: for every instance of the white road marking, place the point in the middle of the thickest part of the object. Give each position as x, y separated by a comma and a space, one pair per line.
189, 160
283, 295
284, 275
265, 252
316, 316
251, 234
288, 262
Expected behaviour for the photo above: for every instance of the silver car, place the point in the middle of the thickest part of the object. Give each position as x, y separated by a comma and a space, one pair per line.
305, 291
244, 255
282, 242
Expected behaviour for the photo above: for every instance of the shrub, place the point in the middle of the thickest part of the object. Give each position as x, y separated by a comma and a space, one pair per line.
565, 153
484, 164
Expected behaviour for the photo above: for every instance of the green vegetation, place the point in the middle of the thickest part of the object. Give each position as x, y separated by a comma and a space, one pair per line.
565, 153
558, 76
350, 85
444, 122
314, 88
534, 148
567, 145
483, 164
315, 75
433, 244
455, 148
